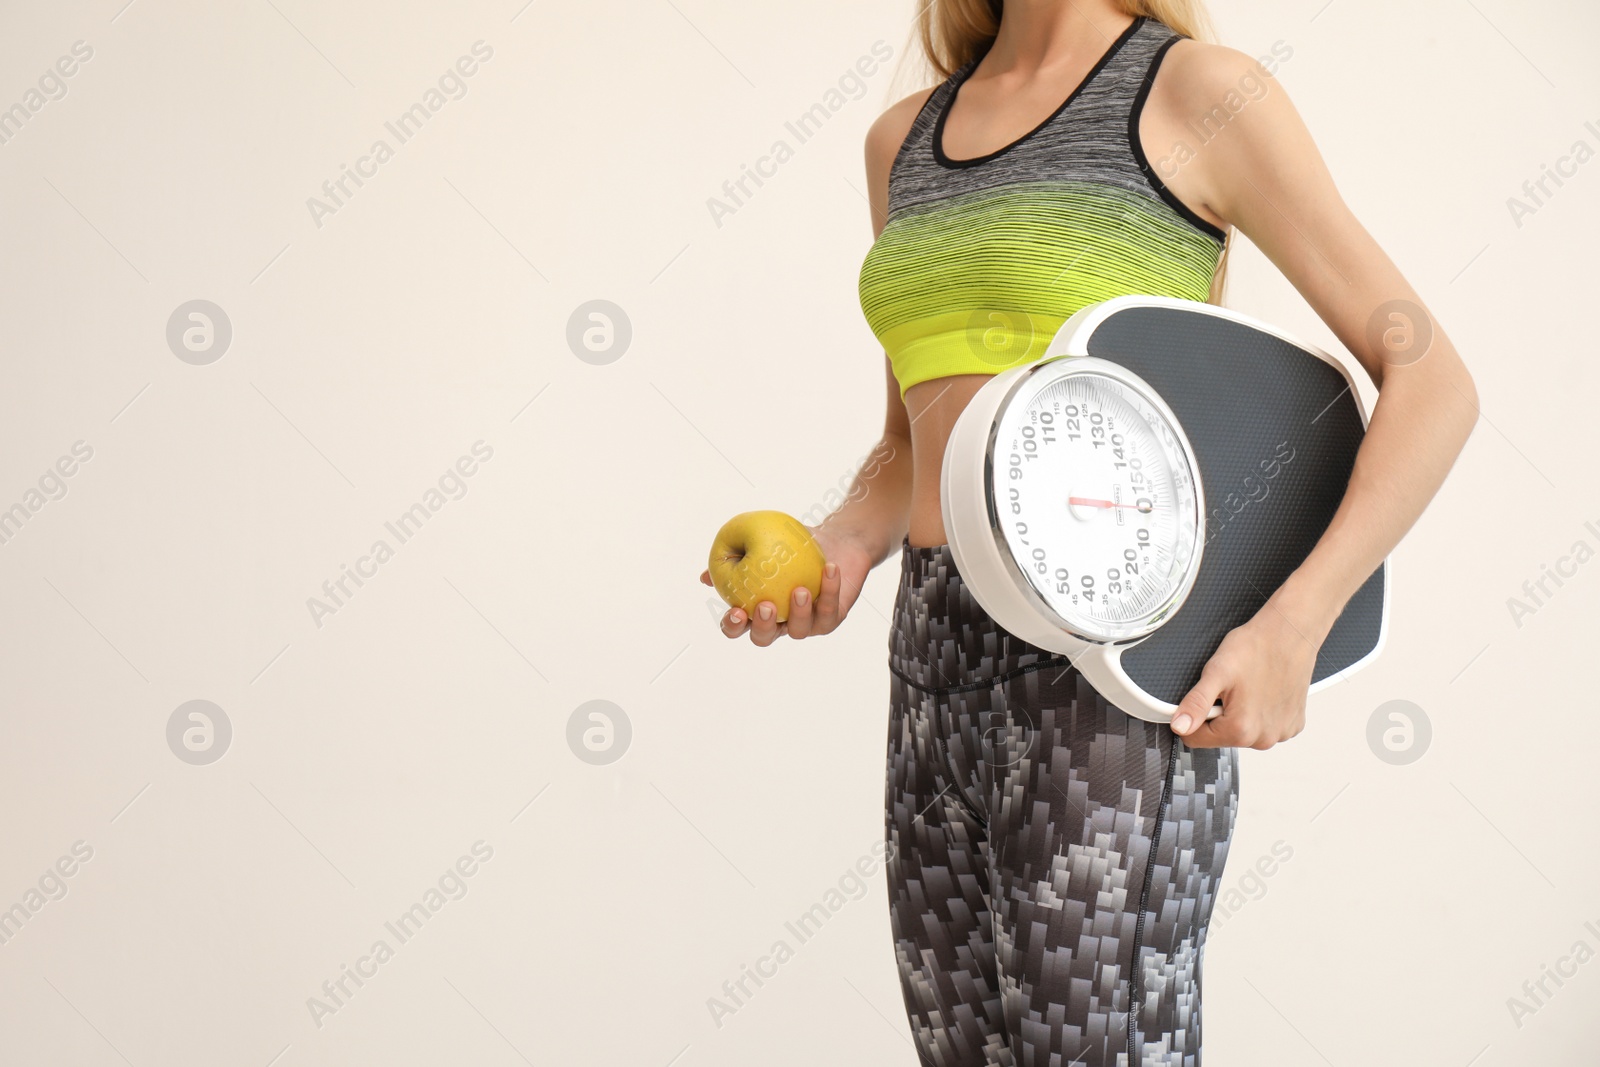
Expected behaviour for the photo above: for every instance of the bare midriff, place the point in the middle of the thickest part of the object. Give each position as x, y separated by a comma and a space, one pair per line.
933, 407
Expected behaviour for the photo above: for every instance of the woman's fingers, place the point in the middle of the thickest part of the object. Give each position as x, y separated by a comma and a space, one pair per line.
1196, 705
735, 623
808, 616
705, 577
764, 626
1236, 729
801, 623
826, 613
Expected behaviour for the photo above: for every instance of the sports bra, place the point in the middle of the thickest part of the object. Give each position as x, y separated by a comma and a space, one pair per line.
981, 260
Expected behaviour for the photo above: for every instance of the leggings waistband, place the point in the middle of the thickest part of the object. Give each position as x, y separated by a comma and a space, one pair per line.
941, 637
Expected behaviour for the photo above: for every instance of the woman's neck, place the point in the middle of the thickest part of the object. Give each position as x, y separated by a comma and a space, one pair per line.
1039, 34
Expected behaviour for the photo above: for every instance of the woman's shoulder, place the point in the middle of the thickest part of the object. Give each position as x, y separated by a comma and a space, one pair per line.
888, 131
1202, 74
885, 137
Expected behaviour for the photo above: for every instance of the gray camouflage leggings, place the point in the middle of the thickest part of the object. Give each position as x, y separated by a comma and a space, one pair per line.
1023, 812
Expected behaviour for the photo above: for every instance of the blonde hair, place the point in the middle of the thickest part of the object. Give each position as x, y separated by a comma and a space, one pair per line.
953, 32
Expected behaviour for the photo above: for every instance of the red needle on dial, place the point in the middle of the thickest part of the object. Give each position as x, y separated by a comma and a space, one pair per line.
1086, 502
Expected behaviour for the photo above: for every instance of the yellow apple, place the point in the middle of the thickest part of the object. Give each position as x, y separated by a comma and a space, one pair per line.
765, 555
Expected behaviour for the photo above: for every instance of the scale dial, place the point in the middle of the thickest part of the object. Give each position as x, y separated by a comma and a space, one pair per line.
1095, 493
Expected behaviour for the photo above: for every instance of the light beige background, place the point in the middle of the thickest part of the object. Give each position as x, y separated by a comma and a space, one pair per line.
430, 313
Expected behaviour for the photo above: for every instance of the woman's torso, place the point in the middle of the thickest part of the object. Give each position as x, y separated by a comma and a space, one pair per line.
983, 257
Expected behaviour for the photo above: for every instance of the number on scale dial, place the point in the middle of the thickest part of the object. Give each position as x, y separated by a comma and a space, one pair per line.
1096, 499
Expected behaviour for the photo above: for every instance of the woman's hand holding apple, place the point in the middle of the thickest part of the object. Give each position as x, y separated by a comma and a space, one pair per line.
843, 570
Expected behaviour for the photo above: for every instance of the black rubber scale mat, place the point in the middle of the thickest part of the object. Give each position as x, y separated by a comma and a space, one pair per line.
1275, 429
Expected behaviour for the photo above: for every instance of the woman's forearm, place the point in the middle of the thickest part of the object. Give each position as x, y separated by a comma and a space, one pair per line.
1419, 425
876, 511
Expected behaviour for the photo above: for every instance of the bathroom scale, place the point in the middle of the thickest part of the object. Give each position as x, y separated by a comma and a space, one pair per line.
1147, 484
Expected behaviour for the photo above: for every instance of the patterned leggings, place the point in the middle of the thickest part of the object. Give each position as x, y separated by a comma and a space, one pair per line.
1052, 861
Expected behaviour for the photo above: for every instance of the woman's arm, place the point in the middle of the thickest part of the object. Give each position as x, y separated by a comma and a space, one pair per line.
867, 528
878, 506
875, 513
1263, 174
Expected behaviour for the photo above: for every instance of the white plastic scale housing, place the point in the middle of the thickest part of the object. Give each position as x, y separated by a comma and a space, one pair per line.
977, 539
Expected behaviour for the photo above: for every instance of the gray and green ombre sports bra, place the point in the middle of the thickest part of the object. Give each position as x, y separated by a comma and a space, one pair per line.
982, 260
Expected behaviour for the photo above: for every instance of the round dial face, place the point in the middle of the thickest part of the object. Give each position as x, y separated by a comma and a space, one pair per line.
1096, 498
